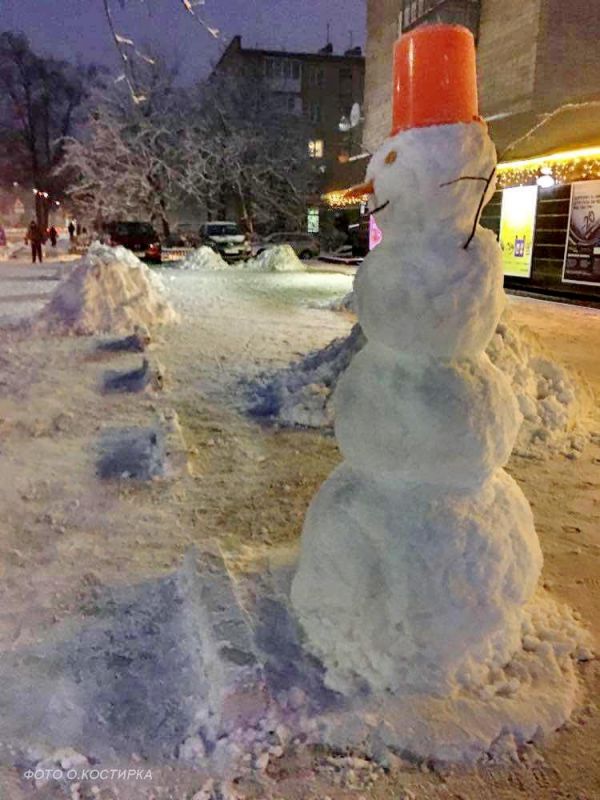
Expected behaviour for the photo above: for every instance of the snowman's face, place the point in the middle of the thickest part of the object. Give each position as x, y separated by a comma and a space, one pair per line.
415, 177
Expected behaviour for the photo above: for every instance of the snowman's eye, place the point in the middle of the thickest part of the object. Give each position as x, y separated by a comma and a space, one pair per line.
391, 157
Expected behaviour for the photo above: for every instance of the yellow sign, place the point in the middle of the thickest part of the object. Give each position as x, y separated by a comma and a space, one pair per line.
517, 229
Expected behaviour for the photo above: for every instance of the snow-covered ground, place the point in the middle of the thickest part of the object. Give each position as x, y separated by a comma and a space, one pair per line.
65, 534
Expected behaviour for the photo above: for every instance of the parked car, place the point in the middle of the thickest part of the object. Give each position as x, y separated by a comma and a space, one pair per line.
304, 244
227, 238
140, 237
187, 233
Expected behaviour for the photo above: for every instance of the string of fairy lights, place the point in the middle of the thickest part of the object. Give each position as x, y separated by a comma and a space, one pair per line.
565, 167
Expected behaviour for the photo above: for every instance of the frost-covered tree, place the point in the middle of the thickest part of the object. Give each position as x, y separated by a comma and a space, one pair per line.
130, 161
257, 153
41, 103
211, 146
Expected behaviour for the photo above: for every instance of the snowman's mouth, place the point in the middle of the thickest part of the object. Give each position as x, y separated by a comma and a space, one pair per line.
379, 208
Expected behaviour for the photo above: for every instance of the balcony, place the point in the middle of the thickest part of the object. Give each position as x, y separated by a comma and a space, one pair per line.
283, 74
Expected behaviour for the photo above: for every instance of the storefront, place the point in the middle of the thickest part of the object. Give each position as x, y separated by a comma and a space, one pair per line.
349, 218
546, 214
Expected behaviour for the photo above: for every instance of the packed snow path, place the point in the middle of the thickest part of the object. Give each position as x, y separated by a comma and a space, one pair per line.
65, 536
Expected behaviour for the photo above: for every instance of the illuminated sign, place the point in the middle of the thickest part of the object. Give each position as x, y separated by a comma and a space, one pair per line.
312, 223
582, 257
517, 229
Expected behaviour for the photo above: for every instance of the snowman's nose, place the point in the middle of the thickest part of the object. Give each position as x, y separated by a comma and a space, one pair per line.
359, 191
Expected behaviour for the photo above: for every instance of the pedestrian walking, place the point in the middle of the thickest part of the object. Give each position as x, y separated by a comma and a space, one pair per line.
35, 236
71, 230
53, 234
2, 237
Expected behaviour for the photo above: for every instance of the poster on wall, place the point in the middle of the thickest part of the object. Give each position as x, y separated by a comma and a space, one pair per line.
582, 256
517, 229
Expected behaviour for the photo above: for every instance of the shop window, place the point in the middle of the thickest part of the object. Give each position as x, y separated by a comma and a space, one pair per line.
312, 223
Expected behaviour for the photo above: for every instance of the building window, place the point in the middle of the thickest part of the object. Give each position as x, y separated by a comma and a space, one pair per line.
282, 68
317, 76
316, 148
273, 68
294, 104
315, 112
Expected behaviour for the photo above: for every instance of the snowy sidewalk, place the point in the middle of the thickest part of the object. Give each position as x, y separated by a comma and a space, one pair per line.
66, 537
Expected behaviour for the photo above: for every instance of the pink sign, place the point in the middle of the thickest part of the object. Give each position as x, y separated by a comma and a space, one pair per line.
375, 235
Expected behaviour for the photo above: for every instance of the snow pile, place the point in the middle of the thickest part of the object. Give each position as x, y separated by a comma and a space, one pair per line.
18, 250
300, 394
345, 303
548, 397
549, 400
108, 291
280, 258
63, 247
203, 258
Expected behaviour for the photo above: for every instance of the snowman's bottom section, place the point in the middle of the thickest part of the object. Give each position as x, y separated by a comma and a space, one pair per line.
527, 699
408, 588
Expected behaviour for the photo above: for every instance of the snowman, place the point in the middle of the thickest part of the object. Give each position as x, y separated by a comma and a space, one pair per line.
419, 553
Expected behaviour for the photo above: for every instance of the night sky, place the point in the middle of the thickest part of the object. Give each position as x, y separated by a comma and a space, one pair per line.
76, 29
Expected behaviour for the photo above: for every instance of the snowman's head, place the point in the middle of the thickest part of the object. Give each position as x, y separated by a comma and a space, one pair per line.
431, 178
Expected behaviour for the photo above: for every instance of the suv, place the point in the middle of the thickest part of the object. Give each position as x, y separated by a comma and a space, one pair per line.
303, 244
140, 237
227, 238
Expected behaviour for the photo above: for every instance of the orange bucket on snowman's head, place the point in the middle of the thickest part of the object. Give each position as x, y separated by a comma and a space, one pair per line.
435, 78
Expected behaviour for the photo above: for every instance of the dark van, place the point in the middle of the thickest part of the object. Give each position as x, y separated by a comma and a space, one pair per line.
140, 237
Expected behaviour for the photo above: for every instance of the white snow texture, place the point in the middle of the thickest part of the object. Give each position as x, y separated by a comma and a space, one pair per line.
204, 258
280, 258
108, 291
419, 554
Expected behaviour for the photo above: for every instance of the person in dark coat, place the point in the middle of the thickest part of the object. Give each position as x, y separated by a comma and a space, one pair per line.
35, 235
71, 230
53, 234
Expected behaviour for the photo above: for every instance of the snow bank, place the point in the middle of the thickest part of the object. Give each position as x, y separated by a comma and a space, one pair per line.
280, 258
345, 303
108, 291
18, 250
547, 395
203, 258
